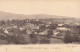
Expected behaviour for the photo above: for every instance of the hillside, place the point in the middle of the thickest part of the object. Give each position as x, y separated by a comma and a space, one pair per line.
45, 17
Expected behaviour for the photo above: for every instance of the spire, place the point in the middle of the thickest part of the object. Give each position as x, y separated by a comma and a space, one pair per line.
37, 19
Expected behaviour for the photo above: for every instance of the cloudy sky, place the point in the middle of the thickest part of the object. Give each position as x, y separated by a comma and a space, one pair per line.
62, 8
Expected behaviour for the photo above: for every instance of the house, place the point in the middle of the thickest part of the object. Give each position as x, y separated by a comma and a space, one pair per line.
43, 33
60, 24
6, 31
62, 28
55, 33
28, 31
21, 28
47, 25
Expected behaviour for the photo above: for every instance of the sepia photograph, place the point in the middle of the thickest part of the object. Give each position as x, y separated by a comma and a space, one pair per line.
39, 22
39, 26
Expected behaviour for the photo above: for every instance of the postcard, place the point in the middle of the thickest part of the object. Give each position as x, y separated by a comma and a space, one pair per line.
39, 25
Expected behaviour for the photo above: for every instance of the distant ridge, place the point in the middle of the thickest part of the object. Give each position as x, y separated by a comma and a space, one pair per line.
7, 15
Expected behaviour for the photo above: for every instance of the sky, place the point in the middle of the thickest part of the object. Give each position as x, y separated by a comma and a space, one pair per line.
51, 7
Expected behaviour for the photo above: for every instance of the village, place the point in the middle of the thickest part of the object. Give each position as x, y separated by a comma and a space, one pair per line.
34, 31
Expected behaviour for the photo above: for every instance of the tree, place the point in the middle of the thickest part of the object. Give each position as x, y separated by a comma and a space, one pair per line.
67, 37
50, 33
53, 26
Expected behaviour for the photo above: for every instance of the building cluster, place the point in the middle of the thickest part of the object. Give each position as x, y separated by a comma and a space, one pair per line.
32, 31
